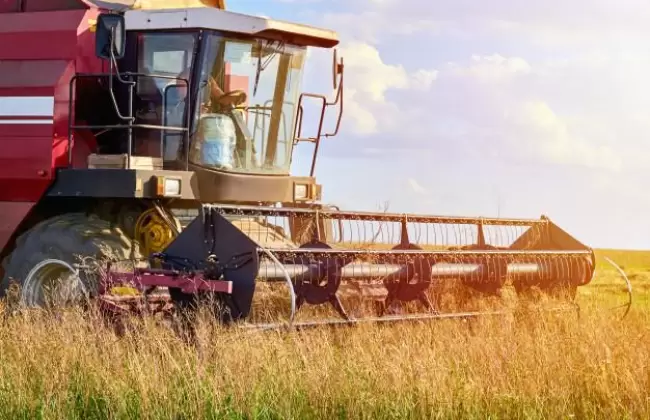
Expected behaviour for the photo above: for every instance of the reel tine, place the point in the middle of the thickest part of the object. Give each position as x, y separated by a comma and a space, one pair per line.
628, 286
290, 286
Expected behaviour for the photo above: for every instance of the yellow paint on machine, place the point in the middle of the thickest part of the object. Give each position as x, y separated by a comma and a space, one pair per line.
177, 4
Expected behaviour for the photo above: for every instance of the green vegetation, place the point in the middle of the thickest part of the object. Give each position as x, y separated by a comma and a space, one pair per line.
551, 366
630, 260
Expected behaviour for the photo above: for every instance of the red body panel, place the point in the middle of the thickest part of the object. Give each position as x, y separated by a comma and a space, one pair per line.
15, 6
12, 215
39, 54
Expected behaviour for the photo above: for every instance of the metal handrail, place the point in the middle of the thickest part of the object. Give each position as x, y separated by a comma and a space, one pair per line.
127, 75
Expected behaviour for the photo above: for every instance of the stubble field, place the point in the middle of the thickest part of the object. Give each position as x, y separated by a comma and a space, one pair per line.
528, 366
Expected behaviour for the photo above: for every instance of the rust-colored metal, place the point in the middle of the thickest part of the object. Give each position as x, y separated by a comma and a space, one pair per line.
142, 281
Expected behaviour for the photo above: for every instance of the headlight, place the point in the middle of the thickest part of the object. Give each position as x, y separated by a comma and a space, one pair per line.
300, 192
172, 186
167, 187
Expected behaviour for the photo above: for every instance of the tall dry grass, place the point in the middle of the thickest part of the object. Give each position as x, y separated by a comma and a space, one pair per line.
69, 366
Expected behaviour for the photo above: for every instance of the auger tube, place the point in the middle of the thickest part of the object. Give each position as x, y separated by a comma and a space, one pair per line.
269, 271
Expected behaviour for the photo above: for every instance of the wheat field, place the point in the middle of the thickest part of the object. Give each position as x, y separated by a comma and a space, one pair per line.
530, 366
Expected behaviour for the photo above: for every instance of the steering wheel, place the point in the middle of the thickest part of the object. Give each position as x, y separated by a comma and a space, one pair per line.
234, 98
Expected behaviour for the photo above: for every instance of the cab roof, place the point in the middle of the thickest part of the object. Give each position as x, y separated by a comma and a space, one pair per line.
165, 14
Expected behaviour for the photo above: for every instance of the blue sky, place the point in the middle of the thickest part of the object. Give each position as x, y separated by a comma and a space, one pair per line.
488, 108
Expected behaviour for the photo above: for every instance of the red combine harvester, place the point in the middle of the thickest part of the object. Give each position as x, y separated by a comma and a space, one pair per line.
118, 117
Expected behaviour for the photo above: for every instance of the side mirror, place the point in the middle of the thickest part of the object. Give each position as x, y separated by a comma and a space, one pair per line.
334, 68
110, 37
337, 69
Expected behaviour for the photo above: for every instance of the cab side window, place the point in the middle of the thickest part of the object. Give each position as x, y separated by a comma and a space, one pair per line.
159, 56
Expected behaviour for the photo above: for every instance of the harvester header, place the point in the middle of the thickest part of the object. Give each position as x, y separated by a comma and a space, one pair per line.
160, 135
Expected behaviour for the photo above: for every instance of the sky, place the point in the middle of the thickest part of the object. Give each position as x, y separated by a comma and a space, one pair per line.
474, 108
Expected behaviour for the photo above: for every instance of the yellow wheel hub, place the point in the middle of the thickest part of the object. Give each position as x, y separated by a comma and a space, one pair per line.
154, 234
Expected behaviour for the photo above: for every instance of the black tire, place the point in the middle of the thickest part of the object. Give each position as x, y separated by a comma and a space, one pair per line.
69, 238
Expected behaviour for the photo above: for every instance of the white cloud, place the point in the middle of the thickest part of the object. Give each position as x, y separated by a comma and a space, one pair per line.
368, 74
548, 23
554, 141
372, 25
423, 79
492, 69
416, 187
488, 105
364, 121
368, 80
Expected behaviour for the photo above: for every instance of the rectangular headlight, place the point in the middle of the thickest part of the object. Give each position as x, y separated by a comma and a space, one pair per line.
172, 186
300, 192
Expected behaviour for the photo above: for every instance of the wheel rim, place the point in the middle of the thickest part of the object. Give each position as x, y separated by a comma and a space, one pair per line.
52, 282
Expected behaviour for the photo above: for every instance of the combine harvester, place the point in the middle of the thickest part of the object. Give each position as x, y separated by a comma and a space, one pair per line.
119, 116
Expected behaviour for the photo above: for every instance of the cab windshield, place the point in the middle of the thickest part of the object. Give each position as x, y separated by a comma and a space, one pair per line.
246, 109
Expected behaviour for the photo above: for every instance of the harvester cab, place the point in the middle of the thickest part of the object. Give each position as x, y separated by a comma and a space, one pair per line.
212, 94
181, 106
